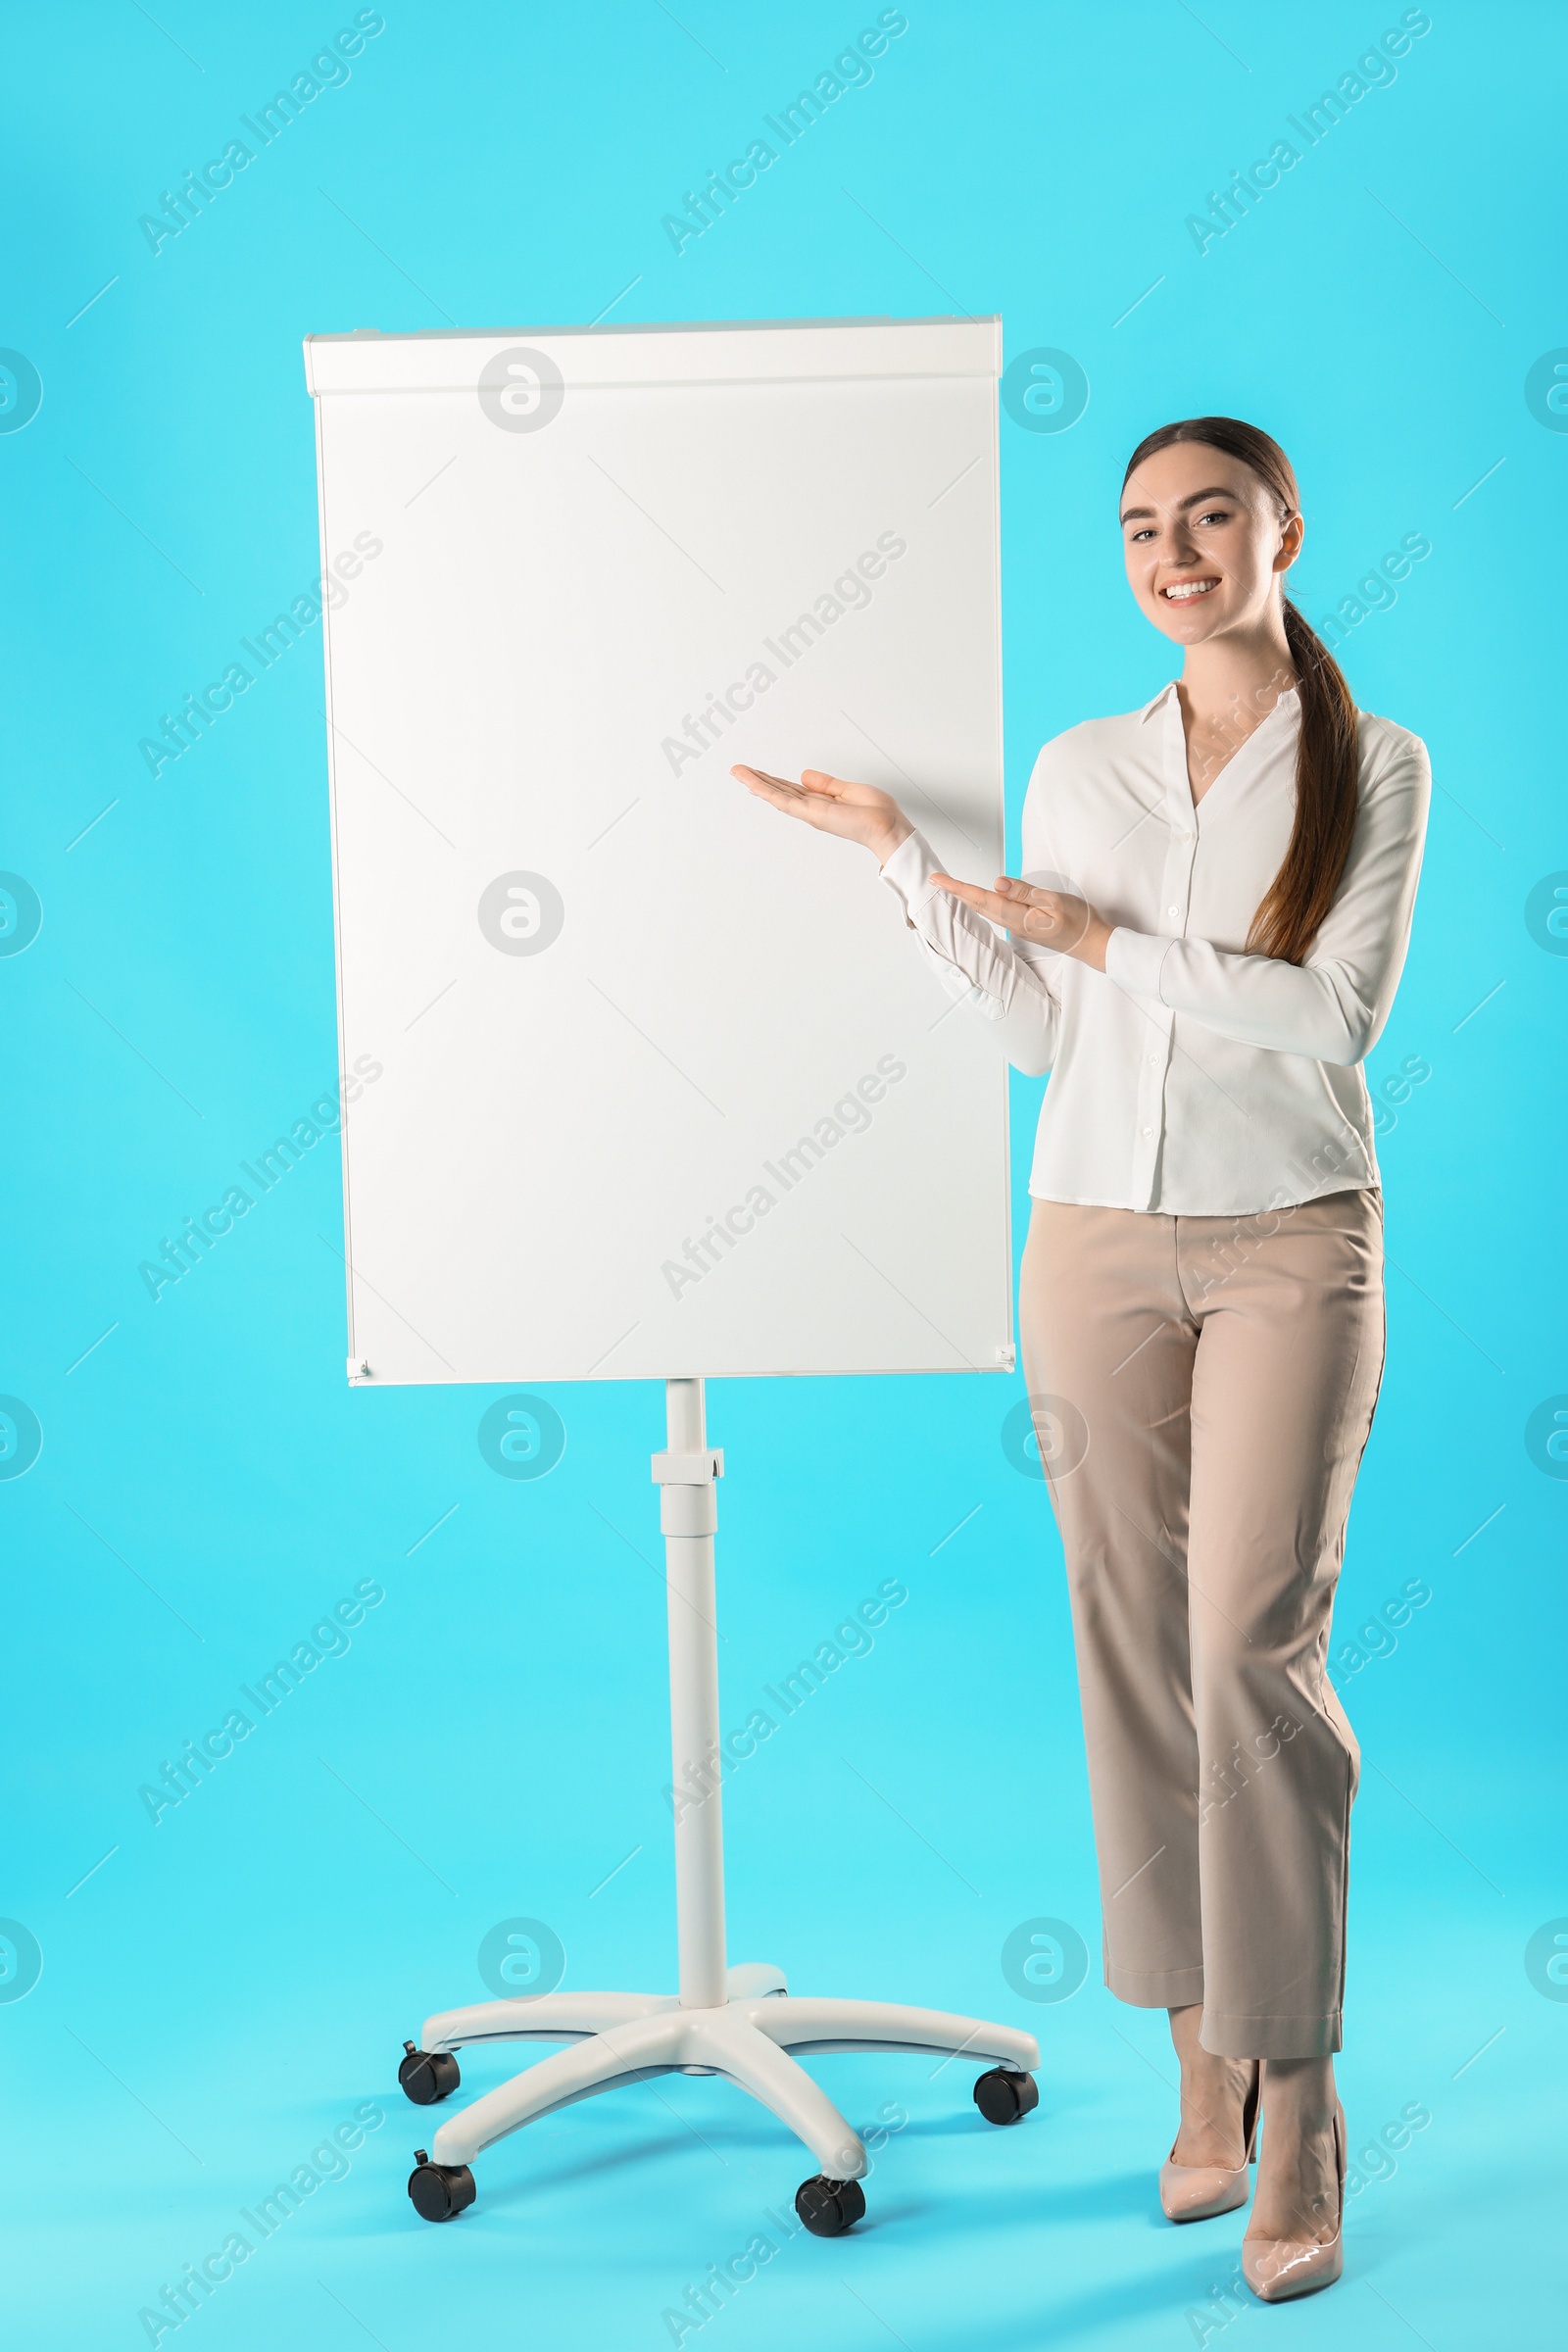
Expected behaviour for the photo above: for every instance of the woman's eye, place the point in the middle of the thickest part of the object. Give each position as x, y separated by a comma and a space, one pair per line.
1214, 515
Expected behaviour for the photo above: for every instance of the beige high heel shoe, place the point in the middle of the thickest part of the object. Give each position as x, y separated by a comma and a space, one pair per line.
1276, 2269
1195, 2192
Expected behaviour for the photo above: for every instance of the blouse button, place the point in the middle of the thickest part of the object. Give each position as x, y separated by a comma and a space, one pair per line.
1173, 912
1149, 1131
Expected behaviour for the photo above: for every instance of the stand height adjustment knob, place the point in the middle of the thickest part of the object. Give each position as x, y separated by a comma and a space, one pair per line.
691, 1468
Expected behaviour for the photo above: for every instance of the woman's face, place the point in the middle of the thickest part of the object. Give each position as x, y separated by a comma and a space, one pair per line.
1204, 542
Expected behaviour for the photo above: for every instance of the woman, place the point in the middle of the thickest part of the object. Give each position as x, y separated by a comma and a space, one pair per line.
1205, 947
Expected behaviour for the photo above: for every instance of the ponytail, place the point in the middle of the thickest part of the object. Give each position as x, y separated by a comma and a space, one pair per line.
1328, 764
1328, 750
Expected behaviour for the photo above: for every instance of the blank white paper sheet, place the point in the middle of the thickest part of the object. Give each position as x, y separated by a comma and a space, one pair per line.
668, 1087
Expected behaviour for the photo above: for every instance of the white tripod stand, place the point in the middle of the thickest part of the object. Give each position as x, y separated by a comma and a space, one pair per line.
740, 2022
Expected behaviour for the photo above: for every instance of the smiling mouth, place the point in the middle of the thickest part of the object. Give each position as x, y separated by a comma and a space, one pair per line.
1185, 592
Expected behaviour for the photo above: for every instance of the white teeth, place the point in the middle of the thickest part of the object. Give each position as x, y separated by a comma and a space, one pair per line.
1184, 590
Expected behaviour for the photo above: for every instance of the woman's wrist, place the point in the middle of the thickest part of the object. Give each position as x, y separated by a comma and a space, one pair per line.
897, 834
1091, 949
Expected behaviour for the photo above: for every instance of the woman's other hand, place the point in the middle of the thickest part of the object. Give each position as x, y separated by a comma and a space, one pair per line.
854, 811
1047, 918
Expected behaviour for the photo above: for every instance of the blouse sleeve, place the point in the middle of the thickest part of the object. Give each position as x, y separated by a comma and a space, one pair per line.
1006, 986
1333, 1006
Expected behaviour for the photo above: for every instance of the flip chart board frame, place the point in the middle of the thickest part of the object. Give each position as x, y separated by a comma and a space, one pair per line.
665, 1088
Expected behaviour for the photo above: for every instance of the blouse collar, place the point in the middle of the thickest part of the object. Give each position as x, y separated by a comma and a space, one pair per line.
1167, 694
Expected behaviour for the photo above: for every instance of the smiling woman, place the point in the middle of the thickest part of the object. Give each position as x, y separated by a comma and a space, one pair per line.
1223, 549
1202, 949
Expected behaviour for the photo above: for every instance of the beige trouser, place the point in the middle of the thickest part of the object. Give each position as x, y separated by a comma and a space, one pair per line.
1203, 1389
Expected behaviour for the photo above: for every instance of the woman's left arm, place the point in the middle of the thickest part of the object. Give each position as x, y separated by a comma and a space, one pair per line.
1333, 1006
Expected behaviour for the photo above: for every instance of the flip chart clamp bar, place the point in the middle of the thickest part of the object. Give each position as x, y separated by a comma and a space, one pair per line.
740, 2022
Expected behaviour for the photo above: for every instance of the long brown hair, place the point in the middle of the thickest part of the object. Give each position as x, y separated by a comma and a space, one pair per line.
1327, 758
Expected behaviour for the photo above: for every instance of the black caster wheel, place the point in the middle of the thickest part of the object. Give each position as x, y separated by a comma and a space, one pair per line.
428, 2074
439, 2192
829, 2207
1005, 2095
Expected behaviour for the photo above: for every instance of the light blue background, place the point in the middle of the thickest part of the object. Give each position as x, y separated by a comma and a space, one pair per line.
227, 1986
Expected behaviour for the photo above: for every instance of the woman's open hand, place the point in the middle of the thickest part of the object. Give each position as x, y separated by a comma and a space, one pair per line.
1048, 918
854, 811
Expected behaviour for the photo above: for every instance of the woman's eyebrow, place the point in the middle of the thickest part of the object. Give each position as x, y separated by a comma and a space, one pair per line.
1193, 499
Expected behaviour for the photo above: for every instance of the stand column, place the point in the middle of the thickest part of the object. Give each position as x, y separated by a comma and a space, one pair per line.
688, 1515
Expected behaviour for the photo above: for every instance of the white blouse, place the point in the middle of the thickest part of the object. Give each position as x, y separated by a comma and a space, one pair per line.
1190, 1077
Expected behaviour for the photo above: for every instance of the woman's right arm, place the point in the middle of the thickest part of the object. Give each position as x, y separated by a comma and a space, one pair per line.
1006, 985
